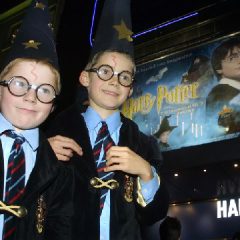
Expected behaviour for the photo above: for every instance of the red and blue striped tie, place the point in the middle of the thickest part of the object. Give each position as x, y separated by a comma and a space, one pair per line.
15, 181
103, 140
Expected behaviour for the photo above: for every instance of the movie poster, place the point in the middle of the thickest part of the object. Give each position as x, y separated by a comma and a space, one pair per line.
191, 97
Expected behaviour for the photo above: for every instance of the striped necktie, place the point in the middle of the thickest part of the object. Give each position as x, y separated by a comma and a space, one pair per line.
15, 181
104, 141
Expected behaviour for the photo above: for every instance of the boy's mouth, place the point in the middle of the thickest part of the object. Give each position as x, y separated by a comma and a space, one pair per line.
26, 109
112, 93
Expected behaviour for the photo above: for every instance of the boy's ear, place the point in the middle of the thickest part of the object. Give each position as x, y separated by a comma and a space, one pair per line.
84, 78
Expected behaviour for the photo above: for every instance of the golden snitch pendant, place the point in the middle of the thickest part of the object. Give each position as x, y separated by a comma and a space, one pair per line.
128, 189
40, 214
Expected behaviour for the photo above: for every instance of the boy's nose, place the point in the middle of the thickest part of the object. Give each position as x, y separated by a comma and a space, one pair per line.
30, 96
114, 80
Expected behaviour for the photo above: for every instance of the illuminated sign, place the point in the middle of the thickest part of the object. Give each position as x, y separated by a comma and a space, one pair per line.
228, 208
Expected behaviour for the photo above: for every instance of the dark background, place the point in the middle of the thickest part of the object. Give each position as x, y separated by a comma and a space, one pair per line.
221, 180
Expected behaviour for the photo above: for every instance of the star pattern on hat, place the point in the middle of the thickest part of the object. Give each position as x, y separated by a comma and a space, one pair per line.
31, 44
123, 31
40, 5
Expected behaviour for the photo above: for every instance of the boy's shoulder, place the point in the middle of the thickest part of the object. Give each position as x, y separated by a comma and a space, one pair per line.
47, 163
128, 122
132, 127
75, 108
69, 123
70, 115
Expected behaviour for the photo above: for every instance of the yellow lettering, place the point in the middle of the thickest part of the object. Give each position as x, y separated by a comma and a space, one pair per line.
177, 95
141, 104
144, 104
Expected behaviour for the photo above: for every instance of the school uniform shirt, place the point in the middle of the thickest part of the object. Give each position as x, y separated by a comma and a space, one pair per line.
93, 123
29, 147
48, 186
126, 218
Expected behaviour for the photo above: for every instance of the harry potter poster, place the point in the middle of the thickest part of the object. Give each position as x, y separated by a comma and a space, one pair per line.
191, 97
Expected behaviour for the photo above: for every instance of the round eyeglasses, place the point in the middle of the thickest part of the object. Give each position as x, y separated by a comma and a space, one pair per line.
19, 86
106, 72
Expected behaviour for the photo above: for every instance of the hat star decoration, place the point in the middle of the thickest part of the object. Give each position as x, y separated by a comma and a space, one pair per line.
114, 29
35, 38
31, 44
123, 31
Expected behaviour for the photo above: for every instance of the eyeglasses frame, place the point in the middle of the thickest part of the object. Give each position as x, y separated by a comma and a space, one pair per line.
6, 83
96, 70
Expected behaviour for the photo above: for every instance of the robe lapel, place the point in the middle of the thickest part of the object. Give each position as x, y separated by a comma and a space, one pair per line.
44, 171
128, 134
86, 163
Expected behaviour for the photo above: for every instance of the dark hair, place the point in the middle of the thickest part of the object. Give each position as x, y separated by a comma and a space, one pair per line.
170, 229
221, 52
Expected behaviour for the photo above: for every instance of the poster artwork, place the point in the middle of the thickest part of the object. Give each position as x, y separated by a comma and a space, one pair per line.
189, 98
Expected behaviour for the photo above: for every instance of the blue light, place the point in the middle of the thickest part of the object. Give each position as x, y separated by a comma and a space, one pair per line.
165, 24
143, 32
92, 25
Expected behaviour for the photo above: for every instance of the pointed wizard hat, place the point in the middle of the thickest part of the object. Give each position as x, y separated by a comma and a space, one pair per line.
164, 126
35, 37
114, 28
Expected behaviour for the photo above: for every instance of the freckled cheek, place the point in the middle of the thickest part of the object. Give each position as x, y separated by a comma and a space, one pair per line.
7, 99
97, 86
46, 108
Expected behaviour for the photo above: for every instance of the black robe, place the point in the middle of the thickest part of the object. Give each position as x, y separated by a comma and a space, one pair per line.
51, 182
126, 218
